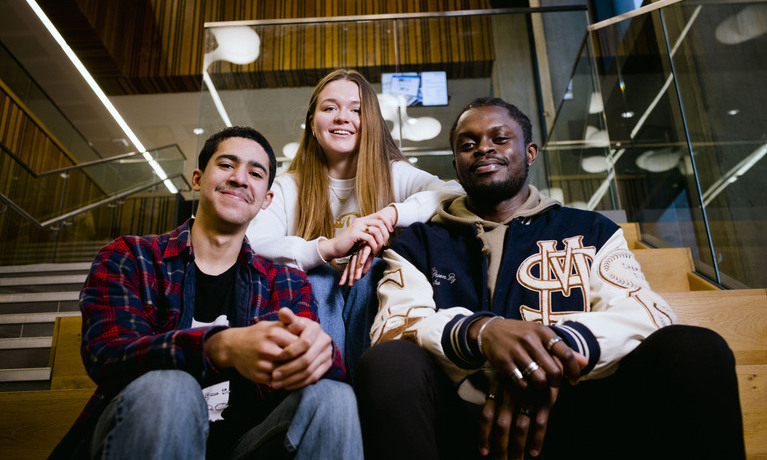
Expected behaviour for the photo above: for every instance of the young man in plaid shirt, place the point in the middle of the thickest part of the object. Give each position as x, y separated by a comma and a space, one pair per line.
199, 347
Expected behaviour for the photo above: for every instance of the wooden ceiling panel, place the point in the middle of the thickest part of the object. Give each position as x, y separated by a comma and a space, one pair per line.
157, 46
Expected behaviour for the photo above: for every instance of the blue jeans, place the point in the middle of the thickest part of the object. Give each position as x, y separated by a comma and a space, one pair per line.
347, 313
163, 415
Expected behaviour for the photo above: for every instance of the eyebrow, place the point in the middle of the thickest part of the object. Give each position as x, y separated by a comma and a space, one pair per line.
336, 101
236, 159
492, 128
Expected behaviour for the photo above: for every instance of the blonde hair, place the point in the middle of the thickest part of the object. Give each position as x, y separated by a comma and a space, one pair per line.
377, 150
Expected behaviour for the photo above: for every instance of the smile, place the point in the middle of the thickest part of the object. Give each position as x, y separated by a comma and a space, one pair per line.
238, 195
342, 132
486, 166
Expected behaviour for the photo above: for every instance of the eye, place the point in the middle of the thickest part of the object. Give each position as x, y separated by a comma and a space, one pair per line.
225, 165
328, 108
501, 139
257, 174
468, 145
357, 111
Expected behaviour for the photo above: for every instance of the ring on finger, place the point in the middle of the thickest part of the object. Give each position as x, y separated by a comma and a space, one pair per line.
490, 397
532, 367
552, 341
516, 375
525, 411
367, 229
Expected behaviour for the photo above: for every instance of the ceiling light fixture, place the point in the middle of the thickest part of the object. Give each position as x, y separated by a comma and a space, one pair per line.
238, 45
100, 93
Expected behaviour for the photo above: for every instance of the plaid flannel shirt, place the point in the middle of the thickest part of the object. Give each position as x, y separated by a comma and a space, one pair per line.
138, 304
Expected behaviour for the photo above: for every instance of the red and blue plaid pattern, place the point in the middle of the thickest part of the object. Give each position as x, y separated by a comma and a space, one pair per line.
137, 306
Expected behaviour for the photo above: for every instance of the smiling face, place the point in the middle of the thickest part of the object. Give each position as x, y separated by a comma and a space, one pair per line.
336, 119
234, 185
490, 155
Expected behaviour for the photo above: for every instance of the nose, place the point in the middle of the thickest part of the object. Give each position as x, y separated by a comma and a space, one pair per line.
342, 116
238, 177
485, 146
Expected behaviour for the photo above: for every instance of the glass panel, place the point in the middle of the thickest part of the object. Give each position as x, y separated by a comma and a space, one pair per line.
271, 91
646, 130
467, 57
35, 99
578, 154
719, 63
49, 195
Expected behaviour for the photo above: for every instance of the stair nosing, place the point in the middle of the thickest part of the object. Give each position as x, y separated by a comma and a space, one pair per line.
42, 280
57, 267
28, 318
27, 374
24, 297
21, 343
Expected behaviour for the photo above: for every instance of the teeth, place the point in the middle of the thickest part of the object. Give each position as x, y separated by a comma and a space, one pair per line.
340, 131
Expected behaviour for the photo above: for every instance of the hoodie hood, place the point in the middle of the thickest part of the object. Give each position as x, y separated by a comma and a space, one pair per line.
453, 212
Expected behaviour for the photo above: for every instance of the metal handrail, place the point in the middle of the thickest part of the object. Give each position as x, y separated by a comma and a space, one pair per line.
77, 166
396, 16
68, 215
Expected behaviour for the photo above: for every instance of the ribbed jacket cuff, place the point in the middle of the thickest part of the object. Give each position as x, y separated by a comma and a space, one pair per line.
456, 344
580, 339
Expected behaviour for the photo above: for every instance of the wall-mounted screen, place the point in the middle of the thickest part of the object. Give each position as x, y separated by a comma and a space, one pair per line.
419, 88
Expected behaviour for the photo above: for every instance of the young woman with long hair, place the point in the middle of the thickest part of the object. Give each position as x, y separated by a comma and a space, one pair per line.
342, 196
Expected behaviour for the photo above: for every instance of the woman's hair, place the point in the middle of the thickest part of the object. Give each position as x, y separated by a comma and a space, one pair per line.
377, 150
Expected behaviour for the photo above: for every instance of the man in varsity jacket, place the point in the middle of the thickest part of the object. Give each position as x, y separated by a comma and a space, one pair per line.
201, 348
510, 325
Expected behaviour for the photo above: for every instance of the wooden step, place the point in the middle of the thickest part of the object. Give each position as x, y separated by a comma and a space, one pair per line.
34, 422
68, 370
740, 316
670, 270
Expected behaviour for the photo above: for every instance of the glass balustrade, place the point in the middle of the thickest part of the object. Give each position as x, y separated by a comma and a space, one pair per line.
655, 114
665, 123
425, 68
67, 214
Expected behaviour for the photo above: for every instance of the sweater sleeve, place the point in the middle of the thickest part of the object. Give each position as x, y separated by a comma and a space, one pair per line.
419, 193
408, 312
269, 233
624, 310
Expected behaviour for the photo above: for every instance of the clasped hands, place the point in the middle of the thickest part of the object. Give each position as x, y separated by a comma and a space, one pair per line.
290, 353
362, 240
515, 415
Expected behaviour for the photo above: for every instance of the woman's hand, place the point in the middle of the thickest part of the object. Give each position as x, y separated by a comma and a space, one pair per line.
362, 257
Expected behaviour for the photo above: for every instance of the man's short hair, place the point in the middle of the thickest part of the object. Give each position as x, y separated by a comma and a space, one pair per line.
522, 120
211, 145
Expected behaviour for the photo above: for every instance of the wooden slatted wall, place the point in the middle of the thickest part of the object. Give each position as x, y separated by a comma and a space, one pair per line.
150, 46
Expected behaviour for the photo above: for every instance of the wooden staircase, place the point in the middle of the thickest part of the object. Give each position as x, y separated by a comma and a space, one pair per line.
34, 421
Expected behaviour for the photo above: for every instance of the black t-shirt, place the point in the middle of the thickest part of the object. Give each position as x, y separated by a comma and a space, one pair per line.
214, 295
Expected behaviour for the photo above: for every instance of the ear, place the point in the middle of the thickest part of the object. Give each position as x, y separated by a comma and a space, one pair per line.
532, 153
310, 126
267, 200
196, 176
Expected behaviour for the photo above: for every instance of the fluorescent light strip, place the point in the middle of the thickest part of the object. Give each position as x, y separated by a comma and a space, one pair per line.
95, 87
216, 100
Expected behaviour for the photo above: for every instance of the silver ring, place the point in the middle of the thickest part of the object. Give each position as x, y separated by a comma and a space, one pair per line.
525, 411
532, 367
552, 341
490, 397
516, 374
